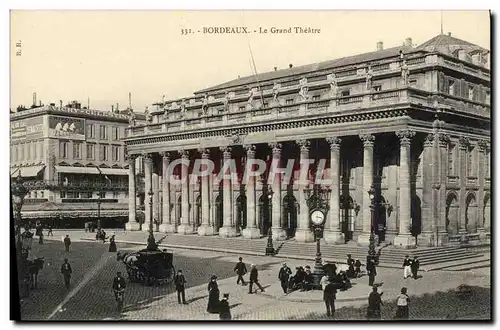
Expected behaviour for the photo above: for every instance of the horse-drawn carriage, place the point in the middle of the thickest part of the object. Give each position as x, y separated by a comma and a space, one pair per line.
148, 267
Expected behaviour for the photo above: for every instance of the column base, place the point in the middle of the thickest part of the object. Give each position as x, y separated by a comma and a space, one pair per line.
227, 232
405, 241
334, 237
364, 239
482, 234
206, 230
251, 233
132, 226
279, 234
185, 229
304, 235
167, 228
145, 227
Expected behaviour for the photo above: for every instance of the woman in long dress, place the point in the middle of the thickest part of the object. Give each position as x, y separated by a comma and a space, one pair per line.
213, 295
112, 244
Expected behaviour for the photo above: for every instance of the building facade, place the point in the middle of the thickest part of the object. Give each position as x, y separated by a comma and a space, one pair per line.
411, 122
73, 161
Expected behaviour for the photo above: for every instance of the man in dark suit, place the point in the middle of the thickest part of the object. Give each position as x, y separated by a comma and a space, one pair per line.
254, 278
415, 265
284, 276
329, 296
66, 271
67, 243
240, 269
371, 269
180, 285
224, 310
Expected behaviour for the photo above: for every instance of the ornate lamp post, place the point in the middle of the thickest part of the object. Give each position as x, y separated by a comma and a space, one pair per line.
371, 246
99, 209
19, 191
269, 247
151, 239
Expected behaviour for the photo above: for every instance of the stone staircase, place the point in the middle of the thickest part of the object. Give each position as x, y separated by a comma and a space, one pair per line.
431, 258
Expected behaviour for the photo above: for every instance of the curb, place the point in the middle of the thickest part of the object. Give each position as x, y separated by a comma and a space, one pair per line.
312, 300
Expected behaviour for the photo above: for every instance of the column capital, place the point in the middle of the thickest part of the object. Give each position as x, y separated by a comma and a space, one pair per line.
205, 153
131, 158
276, 147
334, 142
444, 140
368, 140
303, 144
250, 150
429, 140
463, 142
148, 158
226, 151
166, 155
405, 136
483, 145
183, 153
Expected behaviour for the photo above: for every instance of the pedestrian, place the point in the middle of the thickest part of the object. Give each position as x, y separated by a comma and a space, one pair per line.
40, 239
402, 311
415, 265
241, 270
67, 243
103, 236
371, 269
180, 285
49, 233
329, 295
254, 278
66, 271
224, 310
406, 267
284, 277
357, 270
112, 244
350, 265
87, 227
325, 280
374, 303
213, 295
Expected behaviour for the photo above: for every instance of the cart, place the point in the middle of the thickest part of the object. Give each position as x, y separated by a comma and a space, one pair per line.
149, 267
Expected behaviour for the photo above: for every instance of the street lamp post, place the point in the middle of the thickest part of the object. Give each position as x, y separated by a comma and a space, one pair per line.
151, 238
99, 209
371, 246
269, 247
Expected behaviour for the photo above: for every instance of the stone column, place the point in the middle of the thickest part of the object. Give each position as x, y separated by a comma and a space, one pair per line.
251, 230
166, 225
463, 146
156, 191
227, 229
303, 232
366, 216
148, 171
185, 227
205, 229
482, 155
333, 234
279, 234
132, 223
404, 238
426, 237
442, 152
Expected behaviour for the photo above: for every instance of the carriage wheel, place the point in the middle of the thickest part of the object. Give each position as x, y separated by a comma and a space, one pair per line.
171, 274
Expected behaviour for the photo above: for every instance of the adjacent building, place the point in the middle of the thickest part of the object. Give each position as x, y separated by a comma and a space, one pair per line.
73, 161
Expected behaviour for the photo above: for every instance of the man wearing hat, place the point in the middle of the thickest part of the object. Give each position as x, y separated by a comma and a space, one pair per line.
240, 269
407, 267
180, 283
66, 272
254, 278
224, 311
284, 276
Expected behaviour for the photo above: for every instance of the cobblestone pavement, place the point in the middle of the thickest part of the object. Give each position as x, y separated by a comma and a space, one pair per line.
94, 268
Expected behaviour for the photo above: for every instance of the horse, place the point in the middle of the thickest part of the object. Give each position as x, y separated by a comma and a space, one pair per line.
34, 266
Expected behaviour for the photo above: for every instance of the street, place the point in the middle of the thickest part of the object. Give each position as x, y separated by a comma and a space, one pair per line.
91, 298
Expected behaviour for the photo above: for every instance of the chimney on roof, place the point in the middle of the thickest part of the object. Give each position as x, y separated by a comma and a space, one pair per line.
449, 34
290, 65
112, 108
60, 104
275, 68
380, 45
34, 98
409, 42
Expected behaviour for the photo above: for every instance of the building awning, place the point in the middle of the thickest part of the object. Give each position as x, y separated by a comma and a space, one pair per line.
91, 170
28, 171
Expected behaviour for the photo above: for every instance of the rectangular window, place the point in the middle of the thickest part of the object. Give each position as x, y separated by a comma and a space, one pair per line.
265, 104
289, 101
316, 97
451, 160
451, 87
103, 132
377, 88
115, 194
41, 194
90, 151
487, 98
242, 108
114, 131
103, 152
471, 92
102, 193
470, 163
63, 149
28, 151
115, 153
345, 93
86, 195
77, 150
90, 131
62, 194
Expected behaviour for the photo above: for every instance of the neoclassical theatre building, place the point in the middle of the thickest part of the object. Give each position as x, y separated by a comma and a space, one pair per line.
411, 122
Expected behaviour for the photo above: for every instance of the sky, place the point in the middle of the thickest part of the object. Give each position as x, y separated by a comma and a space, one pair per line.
104, 55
